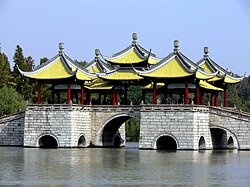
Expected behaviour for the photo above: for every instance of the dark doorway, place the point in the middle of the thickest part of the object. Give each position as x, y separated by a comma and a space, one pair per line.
47, 141
166, 143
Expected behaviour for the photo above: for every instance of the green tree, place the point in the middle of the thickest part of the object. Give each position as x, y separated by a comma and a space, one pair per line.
132, 128
24, 85
5, 75
10, 101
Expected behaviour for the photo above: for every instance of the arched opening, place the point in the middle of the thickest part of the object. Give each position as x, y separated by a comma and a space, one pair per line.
113, 135
202, 143
166, 143
230, 143
81, 141
219, 138
47, 141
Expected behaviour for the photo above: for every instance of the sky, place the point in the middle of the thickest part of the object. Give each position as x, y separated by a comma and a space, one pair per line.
85, 25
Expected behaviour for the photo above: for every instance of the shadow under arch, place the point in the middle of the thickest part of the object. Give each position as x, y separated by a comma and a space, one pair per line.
81, 141
47, 141
202, 143
166, 142
109, 135
221, 138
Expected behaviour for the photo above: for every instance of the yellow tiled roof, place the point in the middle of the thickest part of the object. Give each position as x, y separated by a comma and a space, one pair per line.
200, 75
153, 60
131, 57
121, 76
151, 85
206, 85
55, 70
206, 68
230, 80
172, 69
98, 84
216, 78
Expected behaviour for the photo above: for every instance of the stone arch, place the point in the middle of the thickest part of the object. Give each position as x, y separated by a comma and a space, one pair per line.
202, 143
47, 141
220, 136
108, 135
81, 141
166, 142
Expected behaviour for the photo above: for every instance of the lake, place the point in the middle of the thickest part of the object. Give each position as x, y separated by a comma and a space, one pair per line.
122, 167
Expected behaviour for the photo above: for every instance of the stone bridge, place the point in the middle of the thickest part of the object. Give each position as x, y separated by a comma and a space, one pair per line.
161, 127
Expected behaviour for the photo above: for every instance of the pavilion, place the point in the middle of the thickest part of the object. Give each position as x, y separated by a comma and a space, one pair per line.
134, 65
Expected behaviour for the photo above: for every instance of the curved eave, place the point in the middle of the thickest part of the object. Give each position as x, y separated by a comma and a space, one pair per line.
203, 75
171, 68
153, 60
130, 56
120, 76
84, 76
208, 86
232, 80
56, 69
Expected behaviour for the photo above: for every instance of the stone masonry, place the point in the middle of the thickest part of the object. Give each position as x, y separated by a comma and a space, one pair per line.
185, 124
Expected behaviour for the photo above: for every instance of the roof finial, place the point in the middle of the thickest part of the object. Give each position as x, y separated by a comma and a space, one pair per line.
176, 45
206, 52
97, 53
134, 37
61, 47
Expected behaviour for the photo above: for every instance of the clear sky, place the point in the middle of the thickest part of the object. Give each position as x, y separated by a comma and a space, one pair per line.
84, 25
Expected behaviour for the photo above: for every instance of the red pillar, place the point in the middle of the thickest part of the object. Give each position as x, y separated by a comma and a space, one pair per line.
212, 98
225, 96
69, 94
186, 92
116, 98
82, 94
39, 93
216, 99
154, 93
197, 94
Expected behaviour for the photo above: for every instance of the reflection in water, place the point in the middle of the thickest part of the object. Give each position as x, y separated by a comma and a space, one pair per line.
122, 167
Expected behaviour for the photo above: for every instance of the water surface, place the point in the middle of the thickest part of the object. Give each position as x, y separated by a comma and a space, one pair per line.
122, 167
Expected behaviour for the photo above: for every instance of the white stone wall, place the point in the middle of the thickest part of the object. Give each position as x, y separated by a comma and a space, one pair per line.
12, 130
185, 124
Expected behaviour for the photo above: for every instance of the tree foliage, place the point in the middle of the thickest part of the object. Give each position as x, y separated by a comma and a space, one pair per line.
23, 84
5, 75
11, 101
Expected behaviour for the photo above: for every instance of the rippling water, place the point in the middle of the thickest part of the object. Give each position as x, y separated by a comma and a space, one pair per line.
122, 167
